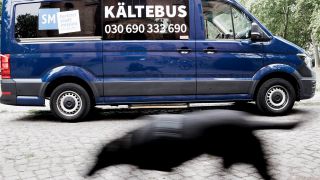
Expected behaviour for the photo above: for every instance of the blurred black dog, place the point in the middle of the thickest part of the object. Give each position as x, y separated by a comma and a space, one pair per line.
171, 140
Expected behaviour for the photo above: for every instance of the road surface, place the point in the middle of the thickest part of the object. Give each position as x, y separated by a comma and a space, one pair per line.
33, 145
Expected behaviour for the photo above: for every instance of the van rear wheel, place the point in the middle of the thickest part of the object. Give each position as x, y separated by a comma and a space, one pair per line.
70, 102
276, 97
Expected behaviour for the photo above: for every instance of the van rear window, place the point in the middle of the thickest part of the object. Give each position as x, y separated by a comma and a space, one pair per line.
70, 18
110, 19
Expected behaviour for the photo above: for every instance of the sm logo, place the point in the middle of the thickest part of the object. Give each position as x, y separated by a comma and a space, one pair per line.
48, 19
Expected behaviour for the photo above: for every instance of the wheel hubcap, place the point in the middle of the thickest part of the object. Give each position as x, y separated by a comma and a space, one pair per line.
277, 97
69, 103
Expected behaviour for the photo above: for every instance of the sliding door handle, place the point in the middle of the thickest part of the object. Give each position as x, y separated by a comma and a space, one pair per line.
184, 50
209, 50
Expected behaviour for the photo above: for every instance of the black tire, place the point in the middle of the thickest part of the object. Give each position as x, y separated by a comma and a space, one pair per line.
276, 97
70, 102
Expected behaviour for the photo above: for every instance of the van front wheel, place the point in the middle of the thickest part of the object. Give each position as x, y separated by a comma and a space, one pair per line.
70, 102
276, 97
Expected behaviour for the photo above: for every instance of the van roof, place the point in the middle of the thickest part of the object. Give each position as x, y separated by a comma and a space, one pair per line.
48, 0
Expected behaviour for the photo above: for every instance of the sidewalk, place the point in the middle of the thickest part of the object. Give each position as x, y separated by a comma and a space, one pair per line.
313, 101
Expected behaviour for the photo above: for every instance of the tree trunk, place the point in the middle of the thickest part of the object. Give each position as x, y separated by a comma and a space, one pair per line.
316, 50
286, 11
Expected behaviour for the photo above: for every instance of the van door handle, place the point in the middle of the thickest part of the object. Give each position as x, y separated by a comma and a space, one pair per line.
209, 50
184, 50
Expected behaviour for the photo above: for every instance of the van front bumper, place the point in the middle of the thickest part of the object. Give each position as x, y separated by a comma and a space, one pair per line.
308, 88
10, 96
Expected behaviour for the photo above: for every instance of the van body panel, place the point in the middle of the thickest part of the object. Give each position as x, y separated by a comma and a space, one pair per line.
224, 98
34, 87
120, 100
210, 86
123, 100
279, 45
50, 66
231, 64
9, 85
273, 68
92, 80
291, 60
23, 64
38, 46
149, 87
30, 101
6, 26
160, 71
149, 71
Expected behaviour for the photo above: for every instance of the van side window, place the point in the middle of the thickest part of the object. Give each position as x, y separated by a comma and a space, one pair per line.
146, 20
222, 21
70, 18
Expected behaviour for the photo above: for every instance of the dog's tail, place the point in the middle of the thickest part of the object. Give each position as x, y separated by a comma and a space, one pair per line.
264, 125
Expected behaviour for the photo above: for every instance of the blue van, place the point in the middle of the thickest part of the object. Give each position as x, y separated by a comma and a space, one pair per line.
83, 53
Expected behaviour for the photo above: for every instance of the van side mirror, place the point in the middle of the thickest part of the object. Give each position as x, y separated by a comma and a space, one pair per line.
255, 32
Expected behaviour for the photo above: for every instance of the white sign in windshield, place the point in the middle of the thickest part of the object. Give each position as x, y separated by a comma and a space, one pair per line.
68, 22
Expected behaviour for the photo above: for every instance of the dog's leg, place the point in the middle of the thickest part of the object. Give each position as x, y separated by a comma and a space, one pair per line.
261, 164
227, 163
263, 171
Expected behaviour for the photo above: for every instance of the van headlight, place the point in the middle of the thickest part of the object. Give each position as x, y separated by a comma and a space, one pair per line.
307, 59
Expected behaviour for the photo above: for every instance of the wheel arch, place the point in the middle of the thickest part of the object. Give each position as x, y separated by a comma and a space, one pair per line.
68, 79
291, 78
71, 74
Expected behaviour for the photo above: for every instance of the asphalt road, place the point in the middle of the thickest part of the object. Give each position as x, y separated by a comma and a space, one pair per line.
33, 145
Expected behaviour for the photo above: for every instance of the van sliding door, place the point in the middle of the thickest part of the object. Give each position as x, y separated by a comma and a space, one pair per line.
148, 51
